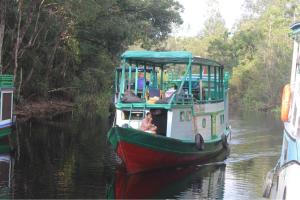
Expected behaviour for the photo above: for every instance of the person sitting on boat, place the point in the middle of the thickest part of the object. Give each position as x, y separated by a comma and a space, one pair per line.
147, 125
170, 91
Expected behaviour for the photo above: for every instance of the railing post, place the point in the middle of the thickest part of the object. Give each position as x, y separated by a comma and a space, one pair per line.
136, 79
215, 83
129, 77
144, 86
209, 97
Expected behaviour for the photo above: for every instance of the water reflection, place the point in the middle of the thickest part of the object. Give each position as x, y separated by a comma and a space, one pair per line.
255, 148
70, 158
6, 167
61, 158
183, 183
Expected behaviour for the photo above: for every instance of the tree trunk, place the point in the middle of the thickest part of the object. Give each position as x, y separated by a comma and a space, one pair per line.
17, 45
21, 31
2, 28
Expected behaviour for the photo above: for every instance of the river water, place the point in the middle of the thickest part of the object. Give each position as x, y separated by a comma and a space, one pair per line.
70, 158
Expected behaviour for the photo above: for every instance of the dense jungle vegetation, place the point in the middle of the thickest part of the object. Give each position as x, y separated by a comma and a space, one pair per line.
258, 52
68, 49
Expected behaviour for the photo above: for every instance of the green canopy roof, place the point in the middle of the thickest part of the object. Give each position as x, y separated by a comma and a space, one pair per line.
205, 62
166, 57
157, 57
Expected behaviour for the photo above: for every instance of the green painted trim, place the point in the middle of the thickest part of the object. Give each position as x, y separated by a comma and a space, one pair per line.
161, 143
210, 113
5, 131
142, 105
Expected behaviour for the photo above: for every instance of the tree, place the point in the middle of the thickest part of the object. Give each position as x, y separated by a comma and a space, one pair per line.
68, 49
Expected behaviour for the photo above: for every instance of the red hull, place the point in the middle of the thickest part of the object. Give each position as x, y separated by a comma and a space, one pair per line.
139, 158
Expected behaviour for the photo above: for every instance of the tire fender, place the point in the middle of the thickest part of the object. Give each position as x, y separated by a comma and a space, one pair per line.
224, 141
199, 141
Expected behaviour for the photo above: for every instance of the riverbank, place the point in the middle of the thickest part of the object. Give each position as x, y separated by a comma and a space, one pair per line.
42, 109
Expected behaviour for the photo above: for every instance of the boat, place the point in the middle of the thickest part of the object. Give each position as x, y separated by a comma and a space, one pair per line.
6, 102
192, 121
282, 181
174, 183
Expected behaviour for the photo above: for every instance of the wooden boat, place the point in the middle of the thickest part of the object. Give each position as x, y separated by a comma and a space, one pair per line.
282, 181
192, 123
6, 102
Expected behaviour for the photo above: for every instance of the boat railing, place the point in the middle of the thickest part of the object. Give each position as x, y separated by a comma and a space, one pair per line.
182, 98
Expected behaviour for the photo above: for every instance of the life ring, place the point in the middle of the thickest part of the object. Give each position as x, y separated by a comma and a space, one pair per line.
199, 142
285, 103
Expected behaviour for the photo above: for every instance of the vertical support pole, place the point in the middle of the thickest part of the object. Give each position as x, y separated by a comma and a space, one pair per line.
222, 84
122, 81
116, 80
153, 77
144, 86
219, 83
200, 72
136, 79
200, 83
161, 77
208, 82
129, 77
215, 83
190, 79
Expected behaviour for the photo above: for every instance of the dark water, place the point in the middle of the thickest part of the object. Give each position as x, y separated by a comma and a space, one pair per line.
70, 158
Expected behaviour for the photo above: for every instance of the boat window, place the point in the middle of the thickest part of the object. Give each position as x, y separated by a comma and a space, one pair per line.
203, 123
6, 107
182, 116
135, 115
188, 116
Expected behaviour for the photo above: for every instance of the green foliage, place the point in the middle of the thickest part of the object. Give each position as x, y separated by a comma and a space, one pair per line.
258, 53
69, 48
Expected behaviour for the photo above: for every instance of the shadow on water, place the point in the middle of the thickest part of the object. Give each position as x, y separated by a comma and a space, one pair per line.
70, 158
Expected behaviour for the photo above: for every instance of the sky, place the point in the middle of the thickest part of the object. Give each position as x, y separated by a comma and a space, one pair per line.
195, 13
